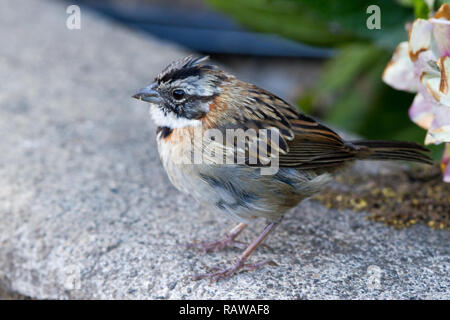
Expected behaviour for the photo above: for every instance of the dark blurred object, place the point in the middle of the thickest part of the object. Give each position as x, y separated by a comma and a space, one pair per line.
195, 26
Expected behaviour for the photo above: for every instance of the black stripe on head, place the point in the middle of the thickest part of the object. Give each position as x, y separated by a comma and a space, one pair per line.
183, 68
181, 74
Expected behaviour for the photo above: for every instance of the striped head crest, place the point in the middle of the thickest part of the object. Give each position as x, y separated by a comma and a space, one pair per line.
183, 92
183, 67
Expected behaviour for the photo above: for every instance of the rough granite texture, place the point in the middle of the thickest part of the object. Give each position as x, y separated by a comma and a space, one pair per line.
86, 210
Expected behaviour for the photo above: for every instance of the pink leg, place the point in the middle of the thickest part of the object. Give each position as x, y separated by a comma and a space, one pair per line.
227, 241
240, 262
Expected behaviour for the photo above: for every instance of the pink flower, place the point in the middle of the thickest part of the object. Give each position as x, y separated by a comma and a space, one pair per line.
446, 163
422, 65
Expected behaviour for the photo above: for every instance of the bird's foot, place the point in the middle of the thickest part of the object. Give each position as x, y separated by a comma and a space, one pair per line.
211, 246
220, 274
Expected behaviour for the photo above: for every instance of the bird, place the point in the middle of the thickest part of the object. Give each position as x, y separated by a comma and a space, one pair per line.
195, 104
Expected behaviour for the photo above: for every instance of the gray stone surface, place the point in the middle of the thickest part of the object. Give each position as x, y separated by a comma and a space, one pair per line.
86, 210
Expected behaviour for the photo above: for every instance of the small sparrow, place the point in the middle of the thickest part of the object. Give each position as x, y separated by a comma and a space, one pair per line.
190, 94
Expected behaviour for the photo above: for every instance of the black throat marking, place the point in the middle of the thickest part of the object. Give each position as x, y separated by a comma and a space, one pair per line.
165, 132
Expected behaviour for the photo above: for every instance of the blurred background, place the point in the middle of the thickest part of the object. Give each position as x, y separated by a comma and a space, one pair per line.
318, 54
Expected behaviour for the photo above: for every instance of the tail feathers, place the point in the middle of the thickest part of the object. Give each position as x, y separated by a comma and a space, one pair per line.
392, 150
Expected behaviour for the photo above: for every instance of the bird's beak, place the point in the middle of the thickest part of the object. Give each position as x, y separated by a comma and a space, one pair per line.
148, 94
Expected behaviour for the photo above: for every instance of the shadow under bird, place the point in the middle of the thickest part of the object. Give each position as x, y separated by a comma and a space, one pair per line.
191, 94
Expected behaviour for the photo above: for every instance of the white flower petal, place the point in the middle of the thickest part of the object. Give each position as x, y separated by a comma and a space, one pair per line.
439, 130
444, 66
436, 83
399, 73
432, 83
447, 174
419, 38
441, 30
421, 111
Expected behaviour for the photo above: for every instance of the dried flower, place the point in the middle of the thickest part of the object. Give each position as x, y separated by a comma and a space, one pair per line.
422, 65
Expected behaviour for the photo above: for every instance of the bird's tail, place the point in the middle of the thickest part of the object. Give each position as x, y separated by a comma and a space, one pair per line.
392, 150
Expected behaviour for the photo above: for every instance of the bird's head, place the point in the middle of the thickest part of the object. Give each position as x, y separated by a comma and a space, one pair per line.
182, 93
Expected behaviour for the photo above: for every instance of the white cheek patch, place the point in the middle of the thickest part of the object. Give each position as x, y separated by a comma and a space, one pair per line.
170, 119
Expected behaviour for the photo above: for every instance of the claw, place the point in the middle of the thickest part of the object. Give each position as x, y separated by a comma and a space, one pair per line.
228, 272
240, 262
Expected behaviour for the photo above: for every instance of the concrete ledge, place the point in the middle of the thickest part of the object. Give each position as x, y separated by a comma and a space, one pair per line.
86, 210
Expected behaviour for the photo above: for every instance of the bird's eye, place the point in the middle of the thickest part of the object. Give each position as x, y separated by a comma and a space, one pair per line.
178, 94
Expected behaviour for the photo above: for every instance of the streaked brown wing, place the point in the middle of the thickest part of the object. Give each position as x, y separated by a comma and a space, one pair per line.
315, 145
309, 143
304, 143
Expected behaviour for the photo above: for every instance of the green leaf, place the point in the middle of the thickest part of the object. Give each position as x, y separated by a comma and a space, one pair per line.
421, 9
321, 22
346, 65
439, 3
284, 17
351, 16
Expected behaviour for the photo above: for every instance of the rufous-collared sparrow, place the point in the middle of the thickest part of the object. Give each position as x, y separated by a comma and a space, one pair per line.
191, 96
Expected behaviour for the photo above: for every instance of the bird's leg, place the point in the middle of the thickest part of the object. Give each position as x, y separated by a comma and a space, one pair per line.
240, 262
227, 241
